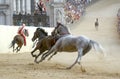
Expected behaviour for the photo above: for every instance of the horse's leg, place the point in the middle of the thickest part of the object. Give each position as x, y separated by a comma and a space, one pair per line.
49, 46
13, 48
41, 51
16, 49
78, 59
34, 43
48, 53
33, 52
52, 55
19, 48
36, 57
44, 56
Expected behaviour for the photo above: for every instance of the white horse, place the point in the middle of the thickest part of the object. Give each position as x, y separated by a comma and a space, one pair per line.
70, 43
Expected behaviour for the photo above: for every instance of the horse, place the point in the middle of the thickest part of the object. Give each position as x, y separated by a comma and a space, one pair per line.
19, 40
37, 34
70, 43
60, 30
45, 42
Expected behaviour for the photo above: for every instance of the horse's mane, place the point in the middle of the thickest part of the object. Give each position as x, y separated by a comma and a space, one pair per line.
60, 24
64, 26
42, 30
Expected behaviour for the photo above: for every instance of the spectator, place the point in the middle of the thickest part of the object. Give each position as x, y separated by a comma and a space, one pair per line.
40, 8
76, 8
96, 24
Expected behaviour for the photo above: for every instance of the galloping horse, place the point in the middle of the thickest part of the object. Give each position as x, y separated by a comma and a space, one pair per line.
44, 43
37, 34
69, 43
19, 40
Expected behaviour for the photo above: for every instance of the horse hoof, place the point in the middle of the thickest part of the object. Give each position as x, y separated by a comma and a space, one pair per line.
83, 70
36, 62
40, 60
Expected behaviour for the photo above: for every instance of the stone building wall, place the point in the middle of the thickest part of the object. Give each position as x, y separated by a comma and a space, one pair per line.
6, 12
55, 11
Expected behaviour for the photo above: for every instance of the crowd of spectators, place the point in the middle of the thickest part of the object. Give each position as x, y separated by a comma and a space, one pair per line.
74, 9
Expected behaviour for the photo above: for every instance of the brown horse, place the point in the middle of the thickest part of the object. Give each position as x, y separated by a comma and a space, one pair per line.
44, 43
19, 40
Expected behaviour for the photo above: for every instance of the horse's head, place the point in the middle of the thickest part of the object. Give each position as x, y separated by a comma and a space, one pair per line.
39, 33
26, 32
60, 29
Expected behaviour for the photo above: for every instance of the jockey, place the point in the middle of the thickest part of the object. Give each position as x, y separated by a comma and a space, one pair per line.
21, 32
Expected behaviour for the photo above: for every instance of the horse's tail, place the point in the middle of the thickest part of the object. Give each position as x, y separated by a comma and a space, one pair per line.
97, 47
12, 43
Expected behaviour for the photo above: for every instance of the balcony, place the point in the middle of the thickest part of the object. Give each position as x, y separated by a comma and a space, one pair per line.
31, 20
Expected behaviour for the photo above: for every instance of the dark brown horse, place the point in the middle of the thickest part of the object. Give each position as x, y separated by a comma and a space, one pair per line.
19, 40
44, 43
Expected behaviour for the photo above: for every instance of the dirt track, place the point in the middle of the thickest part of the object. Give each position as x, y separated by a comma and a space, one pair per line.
22, 66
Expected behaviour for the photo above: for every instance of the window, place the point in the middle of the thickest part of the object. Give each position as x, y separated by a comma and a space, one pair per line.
2, 1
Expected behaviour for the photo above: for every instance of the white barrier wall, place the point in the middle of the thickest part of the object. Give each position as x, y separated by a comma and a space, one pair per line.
8, 32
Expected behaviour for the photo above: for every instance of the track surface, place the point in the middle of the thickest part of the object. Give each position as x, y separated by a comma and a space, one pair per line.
22, 66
